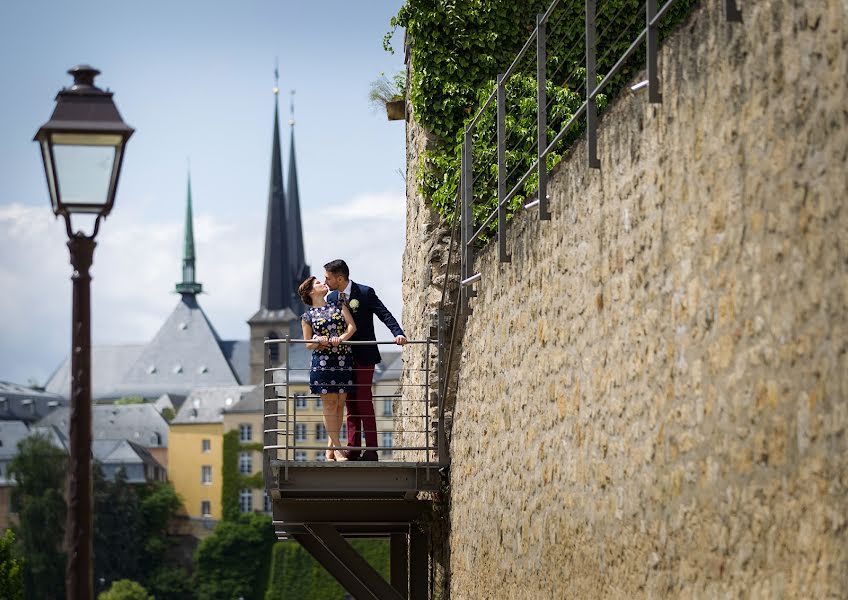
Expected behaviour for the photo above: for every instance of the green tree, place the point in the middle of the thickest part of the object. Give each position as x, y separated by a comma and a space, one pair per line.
158, 504
170, 583
125, 589
11, 571
129, 400
116, 528
233, 562
39, 472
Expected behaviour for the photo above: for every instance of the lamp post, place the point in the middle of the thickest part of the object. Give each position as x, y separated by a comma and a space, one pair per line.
82, 146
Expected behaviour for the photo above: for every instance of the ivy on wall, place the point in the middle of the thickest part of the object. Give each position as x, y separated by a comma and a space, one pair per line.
231, 480
459, 46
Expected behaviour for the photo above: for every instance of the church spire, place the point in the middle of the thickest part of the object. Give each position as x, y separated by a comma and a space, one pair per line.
277, 291
300, 270
188, 285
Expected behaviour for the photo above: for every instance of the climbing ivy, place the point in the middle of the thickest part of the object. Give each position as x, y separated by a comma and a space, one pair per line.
231, 480
459, 46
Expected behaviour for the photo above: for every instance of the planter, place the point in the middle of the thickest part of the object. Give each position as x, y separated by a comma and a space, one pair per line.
396, 110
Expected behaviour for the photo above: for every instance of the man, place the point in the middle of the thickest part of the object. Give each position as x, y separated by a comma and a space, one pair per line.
364, 304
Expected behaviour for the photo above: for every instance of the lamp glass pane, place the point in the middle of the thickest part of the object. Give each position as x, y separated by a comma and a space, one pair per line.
84, 173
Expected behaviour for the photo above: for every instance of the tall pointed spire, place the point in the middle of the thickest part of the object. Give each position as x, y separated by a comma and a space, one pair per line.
188, 284
277, 291
300, 270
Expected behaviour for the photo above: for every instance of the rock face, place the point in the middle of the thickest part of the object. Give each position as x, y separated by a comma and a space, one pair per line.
653, 394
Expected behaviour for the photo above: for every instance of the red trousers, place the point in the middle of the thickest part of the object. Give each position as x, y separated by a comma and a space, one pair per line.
360, 408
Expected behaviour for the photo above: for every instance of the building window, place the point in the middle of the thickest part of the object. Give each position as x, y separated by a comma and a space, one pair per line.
206, 475
320, 432
266, 501
246, 500
206, 508
387, 408
320, 456
318, 403
300, 432
156, 439
245, 463
343, 432
300, 456
246, 432
387, 443
300, 400
206, 445
274, 349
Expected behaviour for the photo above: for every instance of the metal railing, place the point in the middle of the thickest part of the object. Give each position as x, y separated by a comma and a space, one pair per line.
289, 420
561, 24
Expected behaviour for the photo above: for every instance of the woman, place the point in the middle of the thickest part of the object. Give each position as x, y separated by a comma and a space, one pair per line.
331, 374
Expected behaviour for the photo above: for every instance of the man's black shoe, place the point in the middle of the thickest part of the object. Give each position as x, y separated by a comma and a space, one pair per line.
369, 455
351, 454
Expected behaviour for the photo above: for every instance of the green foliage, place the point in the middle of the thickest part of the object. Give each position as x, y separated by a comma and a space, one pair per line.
233, 561
170, 583
11, 569
158, 504
295, 574
39, 472
385, 89
125, 589
117, 528
129, 400
168, 414
231, 480
459, 46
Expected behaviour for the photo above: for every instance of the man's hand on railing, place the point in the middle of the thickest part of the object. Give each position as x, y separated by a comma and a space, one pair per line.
400, 340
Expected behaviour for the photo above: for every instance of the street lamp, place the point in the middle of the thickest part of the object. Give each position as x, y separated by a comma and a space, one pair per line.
83, 147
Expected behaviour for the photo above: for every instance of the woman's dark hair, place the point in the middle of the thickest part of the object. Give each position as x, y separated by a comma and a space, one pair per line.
305, 290
338, 267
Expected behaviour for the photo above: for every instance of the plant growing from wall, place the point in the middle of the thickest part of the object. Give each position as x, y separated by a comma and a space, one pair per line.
459, 46
231, 480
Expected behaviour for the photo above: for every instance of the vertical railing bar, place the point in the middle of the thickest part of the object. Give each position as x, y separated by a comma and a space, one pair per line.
542, 117
651, 47
289, 404
503, 255
591, 104
268, 439
440, 348
732, 12
467, 219
427, 404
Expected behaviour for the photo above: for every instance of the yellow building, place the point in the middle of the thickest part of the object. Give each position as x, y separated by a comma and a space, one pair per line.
196, 449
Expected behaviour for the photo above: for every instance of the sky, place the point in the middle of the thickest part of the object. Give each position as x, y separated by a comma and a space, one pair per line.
195, 80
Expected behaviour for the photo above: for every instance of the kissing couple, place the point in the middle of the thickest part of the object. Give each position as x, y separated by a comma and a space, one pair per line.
342, 310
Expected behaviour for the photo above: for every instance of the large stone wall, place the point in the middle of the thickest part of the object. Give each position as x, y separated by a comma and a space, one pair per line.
652, 398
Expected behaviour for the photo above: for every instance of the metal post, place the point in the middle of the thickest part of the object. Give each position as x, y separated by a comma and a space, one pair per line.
467, 222
79, 577
443, 388
418, 562
270, 438
591, 83
732, 12
427, 404
289, 411
542, 116
503, 255
399, 563
652, 45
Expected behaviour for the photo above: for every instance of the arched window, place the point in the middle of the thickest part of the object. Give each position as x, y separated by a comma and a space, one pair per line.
274, 349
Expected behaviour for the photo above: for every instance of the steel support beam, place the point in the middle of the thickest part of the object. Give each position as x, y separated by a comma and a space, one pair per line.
399, 563
419, 565
344, 563
652, 47
349, 510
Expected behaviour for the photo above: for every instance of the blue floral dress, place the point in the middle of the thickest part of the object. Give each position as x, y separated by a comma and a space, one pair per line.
332, 368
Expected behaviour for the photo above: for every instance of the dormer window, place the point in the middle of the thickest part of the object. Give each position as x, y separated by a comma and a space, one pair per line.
178, 369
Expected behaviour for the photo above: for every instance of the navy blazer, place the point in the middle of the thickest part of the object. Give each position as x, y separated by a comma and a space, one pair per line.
363, 316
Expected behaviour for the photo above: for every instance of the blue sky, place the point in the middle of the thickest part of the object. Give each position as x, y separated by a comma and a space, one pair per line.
195, 80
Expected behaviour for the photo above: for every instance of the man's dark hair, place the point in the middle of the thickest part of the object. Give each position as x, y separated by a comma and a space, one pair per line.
338, 267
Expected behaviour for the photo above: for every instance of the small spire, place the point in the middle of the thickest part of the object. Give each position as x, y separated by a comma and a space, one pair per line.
276, 76
291, 107
188, 284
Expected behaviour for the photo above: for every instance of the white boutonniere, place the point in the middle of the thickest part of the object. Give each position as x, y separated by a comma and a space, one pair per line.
354, 304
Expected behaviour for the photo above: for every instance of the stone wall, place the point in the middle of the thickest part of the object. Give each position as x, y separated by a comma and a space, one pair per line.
652, 398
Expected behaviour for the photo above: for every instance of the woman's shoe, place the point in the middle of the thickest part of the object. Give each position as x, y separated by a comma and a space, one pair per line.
340, 457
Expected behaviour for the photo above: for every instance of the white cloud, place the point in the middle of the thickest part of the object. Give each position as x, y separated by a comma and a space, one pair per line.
138, 261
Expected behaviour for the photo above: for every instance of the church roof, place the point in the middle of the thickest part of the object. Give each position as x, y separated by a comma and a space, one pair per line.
139, 423
277, 292
207, 405
188, 284
297, 254
186, 353
108, 365
20, 403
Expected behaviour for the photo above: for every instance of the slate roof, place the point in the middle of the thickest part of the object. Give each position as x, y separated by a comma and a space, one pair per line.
207, 405
390, 368
11, 433
108, 365
121, 452
297, 255
140, 423
20, 403
237, 353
